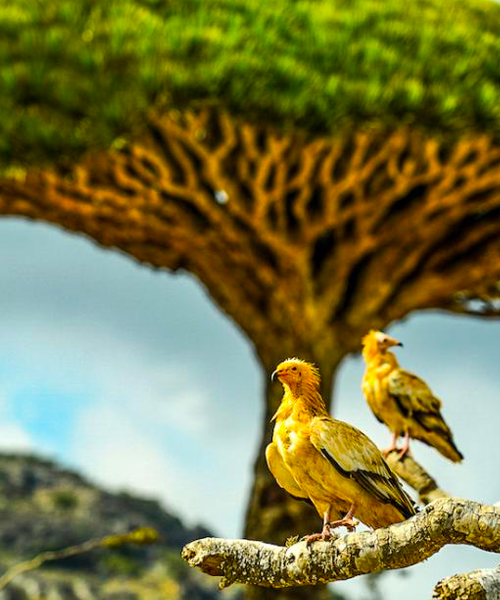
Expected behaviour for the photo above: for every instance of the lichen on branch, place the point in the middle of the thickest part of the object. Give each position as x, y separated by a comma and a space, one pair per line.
444, 521
483, 584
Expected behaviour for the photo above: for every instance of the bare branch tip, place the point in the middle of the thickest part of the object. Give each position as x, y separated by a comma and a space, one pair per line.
225, 582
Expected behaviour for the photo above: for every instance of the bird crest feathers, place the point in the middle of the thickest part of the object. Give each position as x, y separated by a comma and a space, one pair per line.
308, 368
369, 338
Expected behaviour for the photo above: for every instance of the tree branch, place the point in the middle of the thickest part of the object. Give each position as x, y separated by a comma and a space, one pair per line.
445, 521
416, 476
139, 537
483, 584
291, 234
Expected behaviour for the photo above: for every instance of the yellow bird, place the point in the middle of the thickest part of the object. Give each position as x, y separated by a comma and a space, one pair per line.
402, 400
329, 462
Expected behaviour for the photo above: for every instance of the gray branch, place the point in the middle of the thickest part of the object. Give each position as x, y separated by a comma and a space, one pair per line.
483, 584
444, 521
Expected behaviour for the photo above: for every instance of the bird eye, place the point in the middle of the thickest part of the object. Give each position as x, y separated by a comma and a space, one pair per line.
294, 368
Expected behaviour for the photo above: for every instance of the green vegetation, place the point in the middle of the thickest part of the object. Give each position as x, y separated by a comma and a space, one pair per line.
77, 75
176, 566
118, 564
65, 500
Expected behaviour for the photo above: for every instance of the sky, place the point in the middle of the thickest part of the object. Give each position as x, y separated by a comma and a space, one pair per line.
135, 378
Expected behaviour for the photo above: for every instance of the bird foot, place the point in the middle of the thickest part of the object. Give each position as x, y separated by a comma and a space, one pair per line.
393, 447
324, 536
348, 522
387, 451
403, 452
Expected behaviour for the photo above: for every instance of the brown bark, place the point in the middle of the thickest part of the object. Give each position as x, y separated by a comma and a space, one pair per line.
295, 238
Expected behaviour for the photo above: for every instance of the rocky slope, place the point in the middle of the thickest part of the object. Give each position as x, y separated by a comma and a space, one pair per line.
45, 507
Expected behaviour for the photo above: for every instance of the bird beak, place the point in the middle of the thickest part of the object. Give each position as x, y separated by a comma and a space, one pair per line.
390, 341
274, 376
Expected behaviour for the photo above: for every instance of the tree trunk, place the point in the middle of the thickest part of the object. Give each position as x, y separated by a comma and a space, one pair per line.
272, 514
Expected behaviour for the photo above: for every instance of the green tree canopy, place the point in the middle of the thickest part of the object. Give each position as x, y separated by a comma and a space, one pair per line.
79, 75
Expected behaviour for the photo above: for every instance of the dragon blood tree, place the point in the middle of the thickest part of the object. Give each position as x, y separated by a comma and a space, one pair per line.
322, 167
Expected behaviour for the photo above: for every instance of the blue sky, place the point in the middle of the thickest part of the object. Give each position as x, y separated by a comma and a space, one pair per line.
135, 378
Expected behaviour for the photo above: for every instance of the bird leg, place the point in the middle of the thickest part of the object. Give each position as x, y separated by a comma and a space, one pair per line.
348, 521
406, 446
325, 534
393, 446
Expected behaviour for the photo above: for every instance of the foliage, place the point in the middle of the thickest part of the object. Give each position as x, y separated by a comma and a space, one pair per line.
65, 499
80, 75
118, 564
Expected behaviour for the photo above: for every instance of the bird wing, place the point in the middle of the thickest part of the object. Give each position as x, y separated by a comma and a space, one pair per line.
354, 455
411, 393
416, 402
282, 473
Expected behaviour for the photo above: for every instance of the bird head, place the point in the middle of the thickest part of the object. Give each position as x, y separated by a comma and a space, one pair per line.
294, 372
376, 342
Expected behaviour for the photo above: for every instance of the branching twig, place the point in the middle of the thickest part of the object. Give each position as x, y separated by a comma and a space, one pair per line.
445, 521
145, 535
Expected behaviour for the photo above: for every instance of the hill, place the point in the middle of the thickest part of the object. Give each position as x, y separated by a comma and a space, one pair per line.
44, 506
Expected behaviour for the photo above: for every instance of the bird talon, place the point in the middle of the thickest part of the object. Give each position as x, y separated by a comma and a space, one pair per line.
325, 536
403, 452
348, 522
317, 537
352, 527
387, 451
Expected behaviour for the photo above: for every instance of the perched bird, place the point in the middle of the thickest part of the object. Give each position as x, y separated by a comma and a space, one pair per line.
402, 400
329, 462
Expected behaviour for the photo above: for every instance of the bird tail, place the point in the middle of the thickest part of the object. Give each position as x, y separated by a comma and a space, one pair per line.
437, 433
449, 450
445, 445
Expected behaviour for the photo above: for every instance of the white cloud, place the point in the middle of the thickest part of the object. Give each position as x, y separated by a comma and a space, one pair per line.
13, 438
111, 446
125, 443
164, 394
